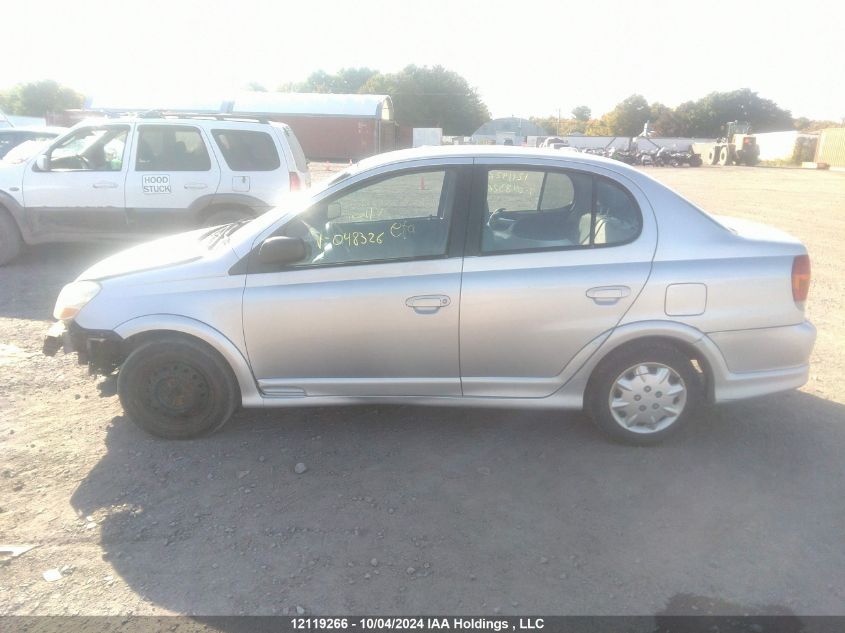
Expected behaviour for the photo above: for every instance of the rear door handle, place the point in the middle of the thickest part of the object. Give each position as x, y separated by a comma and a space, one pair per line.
105, 184
196, 185
428, 303
608, 294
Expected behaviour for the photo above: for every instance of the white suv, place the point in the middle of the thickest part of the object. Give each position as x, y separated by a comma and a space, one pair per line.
129, 177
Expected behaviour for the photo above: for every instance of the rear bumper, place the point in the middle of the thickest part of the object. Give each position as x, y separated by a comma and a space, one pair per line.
762, 361
102, 351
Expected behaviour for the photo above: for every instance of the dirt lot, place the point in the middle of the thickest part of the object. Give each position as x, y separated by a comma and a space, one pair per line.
406, 510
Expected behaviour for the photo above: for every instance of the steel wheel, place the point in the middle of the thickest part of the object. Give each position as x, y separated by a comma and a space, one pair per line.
178, 391
647, 398
177, 387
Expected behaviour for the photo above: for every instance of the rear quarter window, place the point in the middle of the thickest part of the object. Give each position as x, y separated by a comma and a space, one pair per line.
246, 150
296, 150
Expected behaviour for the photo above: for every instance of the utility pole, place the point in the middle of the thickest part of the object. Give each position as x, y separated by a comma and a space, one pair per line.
558, 122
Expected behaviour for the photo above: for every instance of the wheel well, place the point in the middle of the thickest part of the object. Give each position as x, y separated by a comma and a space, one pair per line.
136, 340
697, 360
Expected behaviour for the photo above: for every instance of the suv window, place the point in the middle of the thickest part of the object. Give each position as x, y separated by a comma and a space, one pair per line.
171, 148
296, 150
91, 149
399, 217
539, 210
245, 150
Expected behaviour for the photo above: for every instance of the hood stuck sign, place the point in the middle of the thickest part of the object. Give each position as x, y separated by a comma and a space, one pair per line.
155, 183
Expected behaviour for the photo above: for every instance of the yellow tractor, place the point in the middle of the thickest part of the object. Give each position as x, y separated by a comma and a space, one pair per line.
737, 147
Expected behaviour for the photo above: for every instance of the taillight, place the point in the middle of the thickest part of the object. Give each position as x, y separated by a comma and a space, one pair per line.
800, 278
295, 182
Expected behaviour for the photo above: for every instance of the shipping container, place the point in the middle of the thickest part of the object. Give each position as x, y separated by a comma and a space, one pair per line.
831, 147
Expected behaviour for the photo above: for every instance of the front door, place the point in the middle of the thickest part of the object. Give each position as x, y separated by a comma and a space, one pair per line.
81, 191
555, 257
373, 308
172, 172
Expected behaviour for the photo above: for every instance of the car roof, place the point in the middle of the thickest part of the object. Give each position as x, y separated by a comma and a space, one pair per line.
503, 152
178, 120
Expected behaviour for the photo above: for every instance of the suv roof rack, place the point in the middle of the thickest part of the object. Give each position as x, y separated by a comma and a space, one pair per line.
219, 116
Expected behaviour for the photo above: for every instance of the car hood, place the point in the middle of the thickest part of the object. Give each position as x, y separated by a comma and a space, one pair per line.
162, 253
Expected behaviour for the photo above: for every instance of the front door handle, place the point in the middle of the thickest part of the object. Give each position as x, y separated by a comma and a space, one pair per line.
427, 303
608, 294
196, 185
105, 184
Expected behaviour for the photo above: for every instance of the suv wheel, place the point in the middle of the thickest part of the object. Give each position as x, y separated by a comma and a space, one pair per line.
177, 388
644, 393
10, 238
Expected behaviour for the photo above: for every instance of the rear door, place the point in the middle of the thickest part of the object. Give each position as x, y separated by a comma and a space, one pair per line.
252, 164
172, 175
555, 257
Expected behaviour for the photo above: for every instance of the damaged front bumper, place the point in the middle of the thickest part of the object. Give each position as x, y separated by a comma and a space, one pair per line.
102, 351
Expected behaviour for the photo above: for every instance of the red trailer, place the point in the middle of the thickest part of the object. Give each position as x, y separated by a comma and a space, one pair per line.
328, 126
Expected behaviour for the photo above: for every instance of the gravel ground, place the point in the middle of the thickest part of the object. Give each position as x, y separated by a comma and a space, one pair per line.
411, 510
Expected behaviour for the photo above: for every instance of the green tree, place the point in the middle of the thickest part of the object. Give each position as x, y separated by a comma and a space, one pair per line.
254, 86
664, 121
628, 117
581, 113
431, 97
803, 124
345, 81
599, 127
707, 116
39, 98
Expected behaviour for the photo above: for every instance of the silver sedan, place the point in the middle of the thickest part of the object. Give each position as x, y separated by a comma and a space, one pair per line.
485, 277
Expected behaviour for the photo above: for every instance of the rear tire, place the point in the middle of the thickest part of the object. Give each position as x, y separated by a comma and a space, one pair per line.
11, 242
643, 393
725, 156
177, 388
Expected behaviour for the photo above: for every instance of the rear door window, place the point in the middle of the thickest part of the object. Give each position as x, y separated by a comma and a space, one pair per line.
246, 150
529, 210
171, 148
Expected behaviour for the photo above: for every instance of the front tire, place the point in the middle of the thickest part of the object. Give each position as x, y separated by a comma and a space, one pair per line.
177, 388
11, 242
643, 393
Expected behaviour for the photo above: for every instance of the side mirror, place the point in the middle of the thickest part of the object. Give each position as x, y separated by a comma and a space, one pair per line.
42, 163
277, 251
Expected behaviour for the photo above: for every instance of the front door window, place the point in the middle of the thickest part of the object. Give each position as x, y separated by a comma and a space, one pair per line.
91, 149
398, 217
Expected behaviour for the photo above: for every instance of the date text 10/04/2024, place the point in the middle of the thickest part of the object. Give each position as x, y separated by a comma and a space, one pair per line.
418, 624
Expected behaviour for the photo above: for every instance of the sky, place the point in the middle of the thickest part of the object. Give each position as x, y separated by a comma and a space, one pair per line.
526, 58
